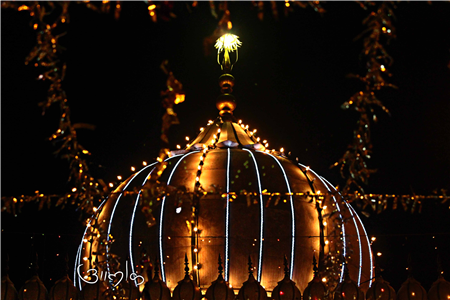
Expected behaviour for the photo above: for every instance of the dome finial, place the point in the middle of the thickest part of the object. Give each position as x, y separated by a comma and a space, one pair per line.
156, 269
220, 266
250, 268
286, 267
186, 263
227, 43
226, 103
316, 270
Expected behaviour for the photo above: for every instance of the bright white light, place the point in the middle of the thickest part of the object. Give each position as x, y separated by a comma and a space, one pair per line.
112, 217
163, 203
323, 180
228, 42
368, 245
78, 258
292, 215
261, 235
130, 239
350, 208
178, 210
227, 218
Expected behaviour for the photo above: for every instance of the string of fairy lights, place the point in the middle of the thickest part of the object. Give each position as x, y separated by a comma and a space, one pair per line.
380, 31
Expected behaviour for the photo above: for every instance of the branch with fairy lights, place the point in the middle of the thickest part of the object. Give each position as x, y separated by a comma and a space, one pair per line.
380, 29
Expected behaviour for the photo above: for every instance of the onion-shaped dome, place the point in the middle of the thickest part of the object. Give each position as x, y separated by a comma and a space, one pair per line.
63, 289
440, 290
286, 289
411, 289
186, 288
226, 193
381, 290
348, 289
33, 289
315, 290
220, 289
9, 292
251, 289
156, 289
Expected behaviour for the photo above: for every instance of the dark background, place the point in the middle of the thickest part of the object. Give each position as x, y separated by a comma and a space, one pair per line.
290, 83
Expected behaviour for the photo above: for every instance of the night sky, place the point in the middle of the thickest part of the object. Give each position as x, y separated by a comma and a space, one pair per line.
291, 79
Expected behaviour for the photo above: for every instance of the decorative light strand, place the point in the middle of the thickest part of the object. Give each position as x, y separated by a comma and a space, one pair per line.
261, 230
292, 215
130, 240
227, 217
163, 202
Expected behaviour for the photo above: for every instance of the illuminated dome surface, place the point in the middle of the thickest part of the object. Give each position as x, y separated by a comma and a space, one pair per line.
258, 204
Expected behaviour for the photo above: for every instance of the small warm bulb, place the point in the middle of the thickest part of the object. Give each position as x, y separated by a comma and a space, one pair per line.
111, 185
195, 229
195, 267
195, 250
373, 239
187, 138
379, 253
201, 129
178, 147
74, 189
119, 177
133, 169
324, 279
144, 163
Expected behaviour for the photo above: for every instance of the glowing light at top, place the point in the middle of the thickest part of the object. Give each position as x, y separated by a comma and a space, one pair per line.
228, 42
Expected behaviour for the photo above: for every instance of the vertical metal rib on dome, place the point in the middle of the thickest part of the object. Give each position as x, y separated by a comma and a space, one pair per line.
359, 240
343, 225
227, 217
292, 214
370, 250
161, 255
130, 240
324, 181
261, 230
78, 257
112, 216
365, 233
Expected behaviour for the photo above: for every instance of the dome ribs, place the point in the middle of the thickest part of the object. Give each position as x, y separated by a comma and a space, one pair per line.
227, 219
136, 202
245, 195
291, 202
329, 187
123, 186
261, 230
160, 233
